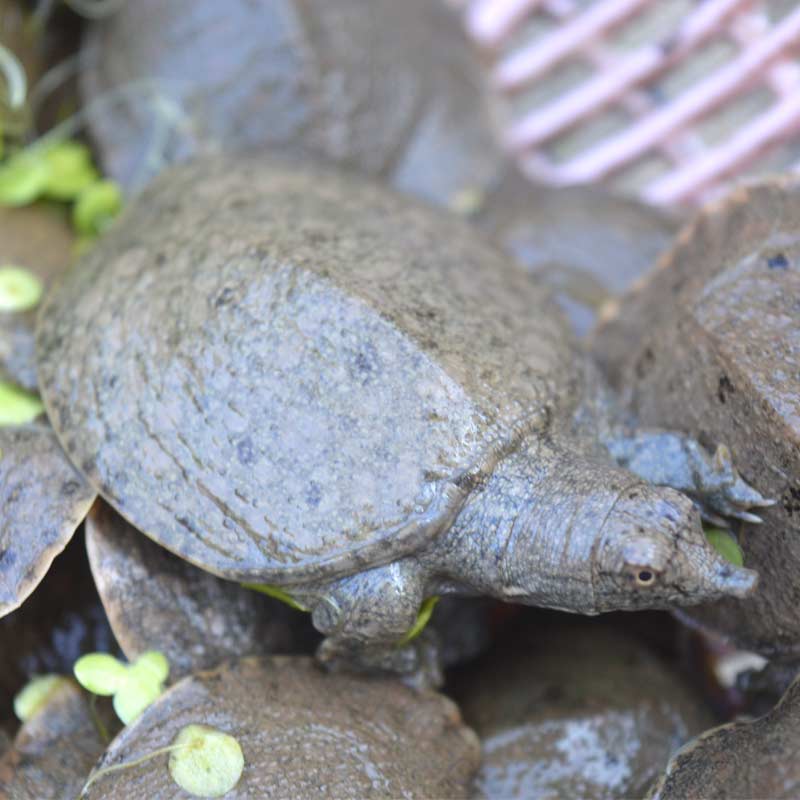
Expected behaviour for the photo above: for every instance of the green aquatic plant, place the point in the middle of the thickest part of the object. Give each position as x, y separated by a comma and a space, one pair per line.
423, 618
18, 406
726, 545
34, 695
276, 593
204, 761
20, 289
133, 686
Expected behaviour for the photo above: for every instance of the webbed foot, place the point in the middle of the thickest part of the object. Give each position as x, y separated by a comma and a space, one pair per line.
673, 459
722, 492
417, 663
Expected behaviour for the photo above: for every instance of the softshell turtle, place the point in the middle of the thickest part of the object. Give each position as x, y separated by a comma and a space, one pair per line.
710, 340
293, 377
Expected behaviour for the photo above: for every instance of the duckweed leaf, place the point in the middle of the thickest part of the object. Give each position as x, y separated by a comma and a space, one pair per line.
206, 762
33, 696
23, 178
69, 170
725, 544
423, 618
20, 289
95, 207
136, 693
152, 666
100, 673
18, 407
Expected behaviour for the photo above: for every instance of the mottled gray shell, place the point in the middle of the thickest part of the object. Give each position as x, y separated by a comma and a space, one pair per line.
275, 372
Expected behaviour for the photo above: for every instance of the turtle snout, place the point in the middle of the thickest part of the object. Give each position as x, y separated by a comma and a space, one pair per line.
735, 581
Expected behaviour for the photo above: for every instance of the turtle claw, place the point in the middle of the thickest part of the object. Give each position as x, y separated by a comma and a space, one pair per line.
722, 492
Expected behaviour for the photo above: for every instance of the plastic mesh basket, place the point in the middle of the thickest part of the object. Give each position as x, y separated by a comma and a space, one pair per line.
664, 99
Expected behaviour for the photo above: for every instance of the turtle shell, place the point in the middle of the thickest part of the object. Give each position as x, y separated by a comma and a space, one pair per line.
276, 371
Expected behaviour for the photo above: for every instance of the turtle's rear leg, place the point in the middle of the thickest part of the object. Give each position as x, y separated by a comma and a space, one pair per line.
370, 619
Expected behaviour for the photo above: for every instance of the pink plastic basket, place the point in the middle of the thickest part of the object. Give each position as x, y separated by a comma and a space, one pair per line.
664, 99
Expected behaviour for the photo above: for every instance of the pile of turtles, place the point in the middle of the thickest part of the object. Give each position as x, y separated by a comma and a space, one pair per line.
341, 415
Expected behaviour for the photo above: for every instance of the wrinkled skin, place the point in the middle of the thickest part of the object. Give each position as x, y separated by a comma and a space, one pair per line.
348, 410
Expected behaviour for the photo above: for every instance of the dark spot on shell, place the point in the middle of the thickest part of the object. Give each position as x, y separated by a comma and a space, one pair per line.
161, 259
224, 298
778, 261
645, 363
70, 487
87, 466
7, 559
313, 494
244, 450
724, 388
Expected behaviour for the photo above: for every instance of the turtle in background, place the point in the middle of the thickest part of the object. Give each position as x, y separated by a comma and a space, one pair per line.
290, 376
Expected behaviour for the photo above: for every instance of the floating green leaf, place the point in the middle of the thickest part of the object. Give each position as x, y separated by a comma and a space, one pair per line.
726, 545
96, 207
20, 289
100, 673
205, 762
276, 593
34, 695
134, 686
69, 169
18, 407
23, 178
423, 618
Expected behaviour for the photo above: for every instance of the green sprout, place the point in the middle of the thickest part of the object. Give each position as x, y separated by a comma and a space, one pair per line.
133, 686
34, 695
18, 407
206, 762
423, 618
276, 593
726, 545
20, 289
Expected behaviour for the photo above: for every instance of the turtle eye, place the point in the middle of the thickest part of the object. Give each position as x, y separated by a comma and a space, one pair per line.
644, 577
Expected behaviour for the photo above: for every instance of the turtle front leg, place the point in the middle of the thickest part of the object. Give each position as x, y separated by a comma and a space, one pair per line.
372, 624
673, 459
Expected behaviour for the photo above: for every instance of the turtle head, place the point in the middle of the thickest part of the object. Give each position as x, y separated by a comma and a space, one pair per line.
652, 553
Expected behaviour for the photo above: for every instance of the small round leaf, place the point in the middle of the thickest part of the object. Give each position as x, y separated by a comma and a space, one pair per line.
100, 673
152, 666
137, 692
23, 178
18, 407
34, 695
20, 289
96, 207
69, 170
724, 543
206, 762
